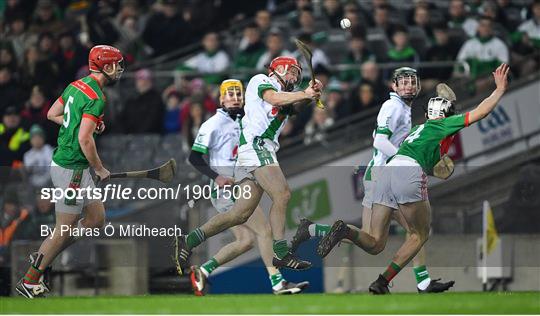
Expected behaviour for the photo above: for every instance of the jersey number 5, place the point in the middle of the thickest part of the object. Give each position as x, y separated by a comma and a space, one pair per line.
414, 134
66, 112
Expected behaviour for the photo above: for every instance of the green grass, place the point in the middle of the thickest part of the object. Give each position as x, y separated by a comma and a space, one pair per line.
447, 303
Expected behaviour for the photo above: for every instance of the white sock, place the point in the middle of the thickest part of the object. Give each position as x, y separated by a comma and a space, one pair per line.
424, 284
311, 230
278, 286
206, 273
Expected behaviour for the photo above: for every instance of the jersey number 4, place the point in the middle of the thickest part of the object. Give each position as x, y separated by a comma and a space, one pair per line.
414, 135
66, 112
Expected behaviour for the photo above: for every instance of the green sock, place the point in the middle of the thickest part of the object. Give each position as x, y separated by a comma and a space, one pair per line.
280, 248
275, 279
195, 238
318, 230
353, 235
390, 272
210, 266
420, 273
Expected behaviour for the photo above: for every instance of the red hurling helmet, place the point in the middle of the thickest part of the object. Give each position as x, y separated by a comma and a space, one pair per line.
102, 55
287, 63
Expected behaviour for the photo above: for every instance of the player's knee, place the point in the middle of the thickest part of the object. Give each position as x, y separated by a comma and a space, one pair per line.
282, 195
286, 194
242, 218
418, 238
380, 244
377, 249
424, 236
246, 243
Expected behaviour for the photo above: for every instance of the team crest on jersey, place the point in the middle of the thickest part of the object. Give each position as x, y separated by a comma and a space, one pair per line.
281, 114
200, 138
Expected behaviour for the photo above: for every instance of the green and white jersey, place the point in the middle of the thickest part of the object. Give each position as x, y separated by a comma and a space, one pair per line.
532, 29
428, 142
394, 120
218, 138
82, 98
261, 119
483, 55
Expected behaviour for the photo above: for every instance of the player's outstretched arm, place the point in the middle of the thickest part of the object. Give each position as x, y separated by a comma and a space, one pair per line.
485, 107
88, 147
56, 112
279, 99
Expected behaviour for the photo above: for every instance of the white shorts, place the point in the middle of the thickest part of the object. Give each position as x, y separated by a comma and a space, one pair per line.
369, 187
368, 193
401, 181
261, 152
64, 178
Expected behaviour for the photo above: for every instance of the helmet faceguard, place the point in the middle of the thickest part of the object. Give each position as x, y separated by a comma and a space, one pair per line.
407, 83
439, 107
231, 97
102, 55
284, 73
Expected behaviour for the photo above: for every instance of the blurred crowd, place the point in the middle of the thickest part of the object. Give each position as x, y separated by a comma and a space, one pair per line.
44, 46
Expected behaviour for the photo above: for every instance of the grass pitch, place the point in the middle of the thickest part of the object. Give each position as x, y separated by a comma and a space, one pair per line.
447, 303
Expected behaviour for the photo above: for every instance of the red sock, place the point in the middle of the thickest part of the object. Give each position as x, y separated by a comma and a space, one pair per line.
32, 275
390, 272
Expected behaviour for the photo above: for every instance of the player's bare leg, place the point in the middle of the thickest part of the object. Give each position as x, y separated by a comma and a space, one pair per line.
366, 227
423, 281
256, 228
273, 182
94, 217
56, 243
372, 243
417, 215
418, 218
260, 227
366, 219
244, 241
379, 225
308, 229
237, 215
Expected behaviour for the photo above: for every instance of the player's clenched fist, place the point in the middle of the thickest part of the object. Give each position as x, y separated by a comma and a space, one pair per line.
314, 89
103, 173
100, 127
317, 85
